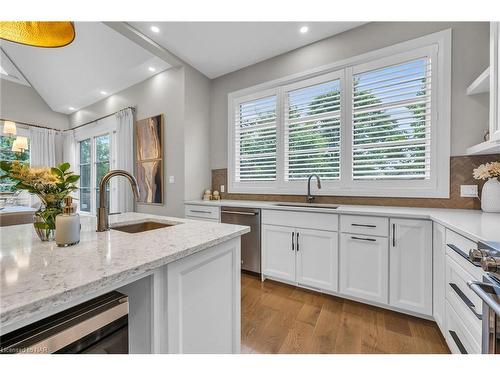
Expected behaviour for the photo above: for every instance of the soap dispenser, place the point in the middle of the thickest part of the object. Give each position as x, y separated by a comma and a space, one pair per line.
68, 224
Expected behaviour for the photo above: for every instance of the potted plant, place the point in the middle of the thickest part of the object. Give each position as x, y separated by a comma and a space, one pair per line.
51, 185
490, 194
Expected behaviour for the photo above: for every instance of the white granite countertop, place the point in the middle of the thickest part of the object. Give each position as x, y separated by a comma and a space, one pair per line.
474, 224
37, 276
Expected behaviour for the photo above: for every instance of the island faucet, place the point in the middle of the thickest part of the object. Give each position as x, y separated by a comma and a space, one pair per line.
310, 198
102, 215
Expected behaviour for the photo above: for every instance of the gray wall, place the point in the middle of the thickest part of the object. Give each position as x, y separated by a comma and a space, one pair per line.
22, 103
182, 95
162, 93
470, 56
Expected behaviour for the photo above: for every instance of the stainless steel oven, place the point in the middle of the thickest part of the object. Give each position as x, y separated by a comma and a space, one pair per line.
489, 291
98, 326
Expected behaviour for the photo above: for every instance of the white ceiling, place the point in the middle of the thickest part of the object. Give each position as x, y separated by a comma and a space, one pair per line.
99, 59
218, 48
9, 71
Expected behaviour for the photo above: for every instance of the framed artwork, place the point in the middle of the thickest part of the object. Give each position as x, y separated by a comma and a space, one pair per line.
149, 159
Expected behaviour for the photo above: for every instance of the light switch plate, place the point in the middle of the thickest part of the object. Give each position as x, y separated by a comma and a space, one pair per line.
171, 179
468, 191
222, 188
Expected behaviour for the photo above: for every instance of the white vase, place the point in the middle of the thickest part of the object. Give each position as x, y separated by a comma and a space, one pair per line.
490, 196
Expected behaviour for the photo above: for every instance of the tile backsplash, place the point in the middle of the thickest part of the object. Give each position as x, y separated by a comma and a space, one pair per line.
460, 174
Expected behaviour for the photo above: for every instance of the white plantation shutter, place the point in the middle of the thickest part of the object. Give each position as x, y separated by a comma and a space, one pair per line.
391, 116
255, 140
312, 131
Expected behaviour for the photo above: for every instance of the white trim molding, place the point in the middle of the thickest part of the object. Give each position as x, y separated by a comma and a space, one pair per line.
436, 46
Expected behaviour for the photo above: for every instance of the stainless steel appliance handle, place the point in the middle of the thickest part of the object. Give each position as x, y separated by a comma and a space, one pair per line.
478, 287
465, 300
240, 213
79, 331
363, 239
364, 225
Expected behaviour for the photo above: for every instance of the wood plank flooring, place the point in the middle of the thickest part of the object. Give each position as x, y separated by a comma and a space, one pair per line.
278, 318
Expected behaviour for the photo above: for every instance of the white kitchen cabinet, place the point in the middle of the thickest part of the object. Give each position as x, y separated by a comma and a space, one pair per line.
364, 267
410, 266
495, 81
317, 258
278, 252
439, 275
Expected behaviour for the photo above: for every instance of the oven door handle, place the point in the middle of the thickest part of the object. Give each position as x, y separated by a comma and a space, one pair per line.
481, 290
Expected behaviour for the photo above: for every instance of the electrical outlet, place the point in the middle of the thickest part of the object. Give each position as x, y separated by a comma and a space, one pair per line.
468, 191
222, 188
171, 179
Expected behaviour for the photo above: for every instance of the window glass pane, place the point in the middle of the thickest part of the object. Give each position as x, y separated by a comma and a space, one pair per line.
102, 148
312, 132
85, 175
392, 122
6, 153
85, 151
256, 140
101, 170
85, 199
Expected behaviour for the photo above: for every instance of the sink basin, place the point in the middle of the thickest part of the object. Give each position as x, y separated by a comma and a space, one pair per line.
142, 226
307, 205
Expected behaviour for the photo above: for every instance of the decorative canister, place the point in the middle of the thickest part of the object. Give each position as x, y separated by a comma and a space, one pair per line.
490, 196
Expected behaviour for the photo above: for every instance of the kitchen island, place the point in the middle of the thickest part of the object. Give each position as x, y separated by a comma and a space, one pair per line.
183, 281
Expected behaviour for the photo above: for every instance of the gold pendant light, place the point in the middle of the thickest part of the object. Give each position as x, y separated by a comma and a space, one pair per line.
38, 34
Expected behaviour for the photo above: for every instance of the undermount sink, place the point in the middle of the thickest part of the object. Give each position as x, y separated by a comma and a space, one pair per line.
307, 205
142, 226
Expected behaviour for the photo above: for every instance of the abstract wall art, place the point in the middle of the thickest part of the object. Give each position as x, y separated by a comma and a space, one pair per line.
149, 159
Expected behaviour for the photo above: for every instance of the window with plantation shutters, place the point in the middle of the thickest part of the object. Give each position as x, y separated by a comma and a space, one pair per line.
372, 125
391, 110
312, 131
255, 136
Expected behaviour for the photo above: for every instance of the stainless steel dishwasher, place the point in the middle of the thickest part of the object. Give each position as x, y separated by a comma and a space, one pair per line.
250, 242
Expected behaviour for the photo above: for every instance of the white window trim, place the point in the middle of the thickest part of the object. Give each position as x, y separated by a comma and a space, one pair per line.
437, 187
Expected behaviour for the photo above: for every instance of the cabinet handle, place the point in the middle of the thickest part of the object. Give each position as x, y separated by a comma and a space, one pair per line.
293, 241
465, 300
200, 212
363, 239
455, 338
393, 235
364, 225
298, 241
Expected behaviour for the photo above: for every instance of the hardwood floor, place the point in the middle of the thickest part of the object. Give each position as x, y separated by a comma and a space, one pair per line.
278, 318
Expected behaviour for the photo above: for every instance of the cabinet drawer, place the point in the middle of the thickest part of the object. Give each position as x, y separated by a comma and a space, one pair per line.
312, 220
457, 336
369, 225
202, 212
457, 247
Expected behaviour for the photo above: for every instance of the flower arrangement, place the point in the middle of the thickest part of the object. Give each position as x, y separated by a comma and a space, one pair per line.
487, 171
51, 185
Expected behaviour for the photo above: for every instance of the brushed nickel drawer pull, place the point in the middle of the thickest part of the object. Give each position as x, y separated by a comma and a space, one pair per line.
200, 212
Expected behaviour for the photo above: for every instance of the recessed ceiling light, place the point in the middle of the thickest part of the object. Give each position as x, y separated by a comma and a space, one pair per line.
151, 69
155, 29
71, 108
304, 29
104, 92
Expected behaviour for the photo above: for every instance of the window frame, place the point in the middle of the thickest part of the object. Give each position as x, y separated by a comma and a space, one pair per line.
101, 128
437, 46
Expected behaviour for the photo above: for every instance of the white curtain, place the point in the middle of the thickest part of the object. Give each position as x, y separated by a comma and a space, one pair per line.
124, 159
43, 147
69, 149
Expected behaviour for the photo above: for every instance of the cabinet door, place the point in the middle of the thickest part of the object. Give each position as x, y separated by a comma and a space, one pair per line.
410, 266
278, 253
364, 267
494, 80
317, 258
439, 274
